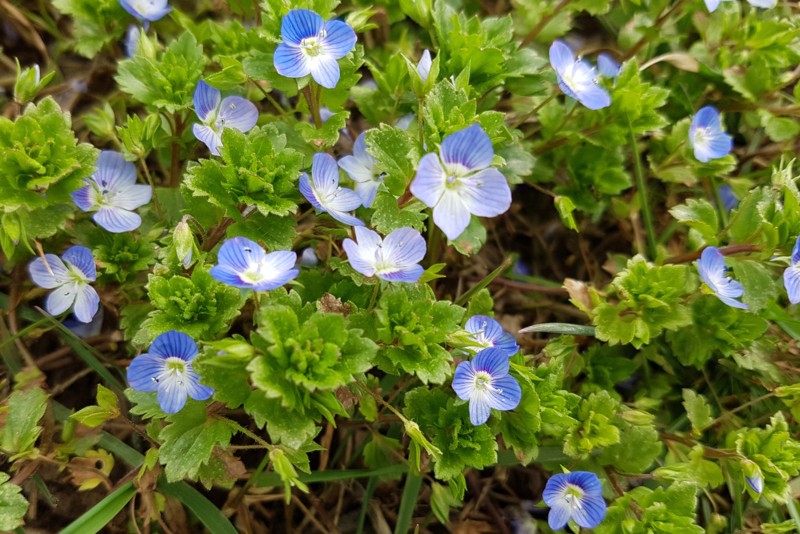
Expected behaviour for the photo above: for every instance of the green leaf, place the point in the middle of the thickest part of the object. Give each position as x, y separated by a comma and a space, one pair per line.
471, 239
101, 514
700, 215
595, 428
188, 442
388, 216
168, 82
697, 410
22, 413
96, 23
394, 154
12, 504
758, 282
565, 208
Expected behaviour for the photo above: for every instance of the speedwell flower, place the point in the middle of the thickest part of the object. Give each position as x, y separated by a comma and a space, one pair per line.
70, 281
324, 192
458, 181
313, 46
395, 258
486, 384
577, 496
763, 4
487, 333
244, 264
791, 276
706, 136
712, 269
424, 65
361, 169
577, 78
131, 41
112, 192
146, 10
167, 369
218, 113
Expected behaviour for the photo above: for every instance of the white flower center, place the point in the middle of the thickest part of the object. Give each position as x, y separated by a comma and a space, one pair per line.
483, 381
454, 173
312, 45
144, 7
573, 496
174, 369
701, 136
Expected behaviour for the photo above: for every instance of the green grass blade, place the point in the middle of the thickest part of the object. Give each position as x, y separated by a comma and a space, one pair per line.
463, 299
205, 511
95, 519
362, 516
408, 503
560, 328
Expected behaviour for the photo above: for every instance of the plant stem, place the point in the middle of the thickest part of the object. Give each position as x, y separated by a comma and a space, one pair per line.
175, 152
543, 22
643, 198
152, 187
313, 104
420, 126
534, 110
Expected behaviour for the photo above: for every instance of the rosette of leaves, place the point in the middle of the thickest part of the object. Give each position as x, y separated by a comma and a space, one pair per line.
444, 419
643, 510
413, 326
256, 169
303, 356
43, 163
650, 301
198, 306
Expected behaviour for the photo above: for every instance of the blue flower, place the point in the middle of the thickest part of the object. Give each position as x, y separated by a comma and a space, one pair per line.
313, 46
113, 193
763, 4
791, 276
706, 136
244, 264
146, 10
324, 192
577, 496
84, 330
395, 258
167, 369
218, 113
131, 42
577, 78
309, 257
486, 384
487, 333
361, 169
712, 269
728, 197
424, 65
458, 181
756, 483
607, 65
70, 281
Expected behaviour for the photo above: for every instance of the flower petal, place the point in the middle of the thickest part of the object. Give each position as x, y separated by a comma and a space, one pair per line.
172, 393
490, 330
554, 489
308, 192
409, 274
492, 361
345, 218
61, 298
367, 191
464, 380
85, 197
344, 199
48, 275
711, 266
561, 56
706, 117
240, 253
558, 516
359, 257
132, 197
479, 410
238, 113
143, 372
338, 39
117, 220
360, 149
194, 388
113, 172
607, 65
594, 97
325, 71
325, 173
208, 136
229, 276
279, 267
206, 99
451, 215
486, 193
429, 183
796, 251
81, 257
291, 61
174, 344
470, 147
506, 395
299, 24
404, 247
86, 304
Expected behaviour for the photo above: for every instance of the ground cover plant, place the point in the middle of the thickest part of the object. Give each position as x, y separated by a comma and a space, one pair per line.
393, 266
